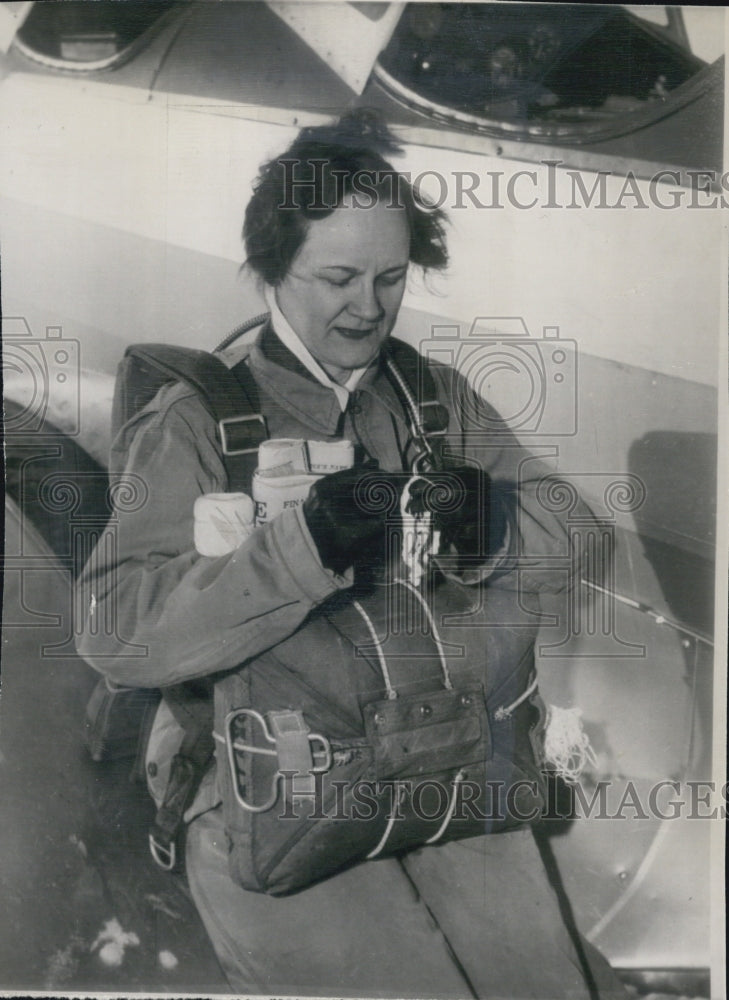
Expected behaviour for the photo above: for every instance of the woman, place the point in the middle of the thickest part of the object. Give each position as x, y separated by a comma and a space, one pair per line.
331, 231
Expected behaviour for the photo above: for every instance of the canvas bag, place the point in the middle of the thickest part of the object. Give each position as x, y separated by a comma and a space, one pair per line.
419, 754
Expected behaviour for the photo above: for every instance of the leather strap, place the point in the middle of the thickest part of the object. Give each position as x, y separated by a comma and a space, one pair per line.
232, 399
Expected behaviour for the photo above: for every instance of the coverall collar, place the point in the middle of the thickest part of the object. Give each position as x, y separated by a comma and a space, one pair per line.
282, 376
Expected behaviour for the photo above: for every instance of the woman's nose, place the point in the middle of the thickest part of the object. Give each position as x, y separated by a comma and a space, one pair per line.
365, 303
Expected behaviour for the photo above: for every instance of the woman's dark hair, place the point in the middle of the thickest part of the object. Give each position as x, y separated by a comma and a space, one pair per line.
307, 182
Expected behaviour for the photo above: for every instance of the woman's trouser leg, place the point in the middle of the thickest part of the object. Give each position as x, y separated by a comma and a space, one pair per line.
492, 899
472, 918
363, 932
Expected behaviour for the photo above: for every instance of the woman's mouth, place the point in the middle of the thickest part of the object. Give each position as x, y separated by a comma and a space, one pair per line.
354, 333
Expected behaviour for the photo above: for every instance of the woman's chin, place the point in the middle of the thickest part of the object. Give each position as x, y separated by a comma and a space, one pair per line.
357, 355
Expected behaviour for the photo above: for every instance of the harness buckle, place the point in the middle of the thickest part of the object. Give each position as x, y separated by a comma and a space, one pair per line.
437, 424
423, 431
165, 857
292, 745
249, 438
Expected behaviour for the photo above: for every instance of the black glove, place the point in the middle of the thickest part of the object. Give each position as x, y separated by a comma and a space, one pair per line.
348, 514
469, 512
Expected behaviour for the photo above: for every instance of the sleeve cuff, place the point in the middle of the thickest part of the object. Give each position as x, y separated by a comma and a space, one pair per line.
296, 549
473, 575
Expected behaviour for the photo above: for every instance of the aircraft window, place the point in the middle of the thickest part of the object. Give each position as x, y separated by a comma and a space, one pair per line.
79, 35
536, 70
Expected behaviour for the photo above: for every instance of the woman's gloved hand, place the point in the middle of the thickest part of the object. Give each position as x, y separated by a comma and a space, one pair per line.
469, 512
349, 512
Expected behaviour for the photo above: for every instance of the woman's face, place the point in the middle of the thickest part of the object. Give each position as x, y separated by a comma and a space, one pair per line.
343, 290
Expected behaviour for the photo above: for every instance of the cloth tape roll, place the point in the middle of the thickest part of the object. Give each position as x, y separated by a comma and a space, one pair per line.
286, 469
222, 522
282, 457
287, 456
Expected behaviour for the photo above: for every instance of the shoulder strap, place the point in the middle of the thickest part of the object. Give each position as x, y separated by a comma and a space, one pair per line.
231, 398
413, 367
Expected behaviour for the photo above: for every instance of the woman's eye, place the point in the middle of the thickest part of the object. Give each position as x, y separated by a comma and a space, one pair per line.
392, 279
385, 279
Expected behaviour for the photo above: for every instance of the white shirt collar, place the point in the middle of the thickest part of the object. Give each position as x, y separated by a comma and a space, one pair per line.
290, 338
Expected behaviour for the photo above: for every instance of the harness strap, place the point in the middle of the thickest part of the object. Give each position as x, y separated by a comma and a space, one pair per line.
231, 398
294, 749
411, 379
191, 704
415, 386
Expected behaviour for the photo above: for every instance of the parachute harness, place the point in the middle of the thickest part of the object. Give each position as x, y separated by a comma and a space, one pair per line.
566, 744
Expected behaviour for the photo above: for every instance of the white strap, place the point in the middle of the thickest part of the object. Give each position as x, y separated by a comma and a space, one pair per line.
419, 539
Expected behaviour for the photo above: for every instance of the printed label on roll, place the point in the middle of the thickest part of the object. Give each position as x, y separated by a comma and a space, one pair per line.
272, 496
286, 469
330, 456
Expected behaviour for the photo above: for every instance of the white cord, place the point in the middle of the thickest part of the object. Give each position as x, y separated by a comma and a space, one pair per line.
504, 712
451, 809
388, 829
391, 692
447, 683
566, 744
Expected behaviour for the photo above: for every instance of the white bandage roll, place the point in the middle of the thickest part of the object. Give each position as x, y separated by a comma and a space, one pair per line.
330, 456
282, 457
274, 495
222, 522
289, 456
